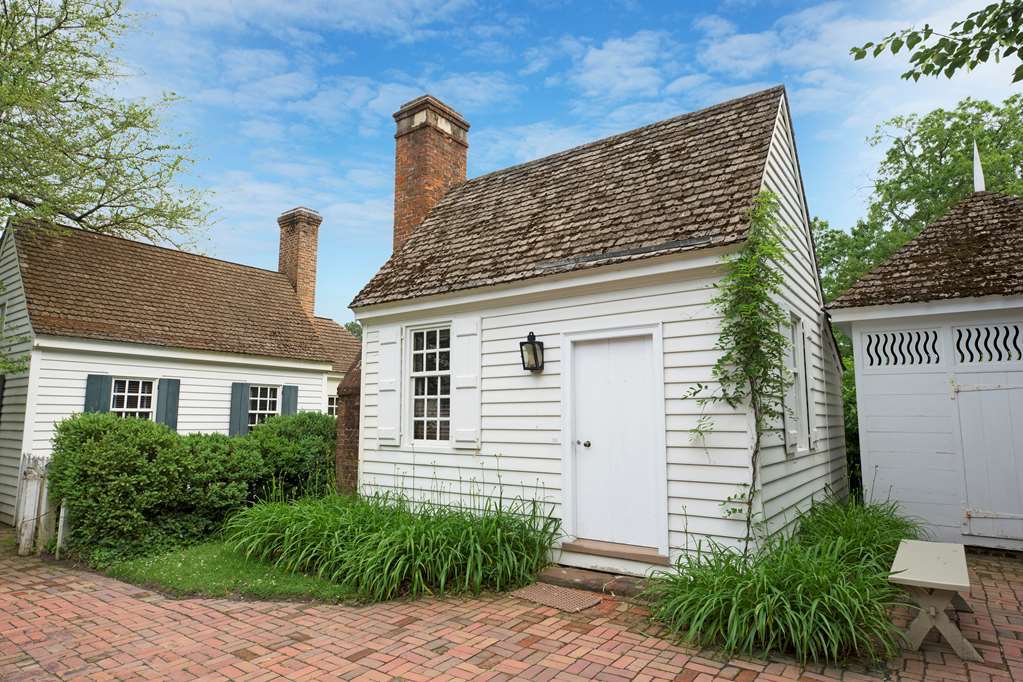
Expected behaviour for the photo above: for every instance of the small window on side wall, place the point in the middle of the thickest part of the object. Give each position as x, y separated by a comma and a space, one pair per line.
264, 402
132, 397
332, 405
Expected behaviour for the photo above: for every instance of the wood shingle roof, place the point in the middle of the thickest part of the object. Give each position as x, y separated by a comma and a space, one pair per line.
681, 184
343, 347
976, 249
88, 285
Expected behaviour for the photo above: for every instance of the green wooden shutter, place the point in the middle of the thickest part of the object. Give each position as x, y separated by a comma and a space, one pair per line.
167, 392
239, 423
289, 400
97, 392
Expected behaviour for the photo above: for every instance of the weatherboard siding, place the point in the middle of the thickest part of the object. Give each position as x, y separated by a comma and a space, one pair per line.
520, 450
17, 342
205, 392
792, 480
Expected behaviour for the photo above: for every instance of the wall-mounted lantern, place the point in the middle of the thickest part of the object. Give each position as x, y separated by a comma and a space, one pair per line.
532, 353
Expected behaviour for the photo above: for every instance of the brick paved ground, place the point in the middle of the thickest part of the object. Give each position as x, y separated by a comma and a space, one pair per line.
56, 622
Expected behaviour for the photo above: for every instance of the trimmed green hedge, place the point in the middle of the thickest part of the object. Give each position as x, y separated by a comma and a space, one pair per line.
132, 487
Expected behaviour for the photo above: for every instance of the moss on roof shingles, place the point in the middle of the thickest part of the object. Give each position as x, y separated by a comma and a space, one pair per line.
684, 183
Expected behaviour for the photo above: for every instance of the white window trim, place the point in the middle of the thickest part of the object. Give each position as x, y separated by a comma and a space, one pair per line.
121, 411
408, 406
332, 405
248, 404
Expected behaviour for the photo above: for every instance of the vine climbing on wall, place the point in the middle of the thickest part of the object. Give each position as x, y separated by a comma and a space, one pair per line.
751, 369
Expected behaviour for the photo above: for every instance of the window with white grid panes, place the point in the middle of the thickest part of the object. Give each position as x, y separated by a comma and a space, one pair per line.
263, 403
431, 384
132, 398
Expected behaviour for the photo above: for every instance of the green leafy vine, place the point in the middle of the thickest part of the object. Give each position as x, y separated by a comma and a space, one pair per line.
751, 369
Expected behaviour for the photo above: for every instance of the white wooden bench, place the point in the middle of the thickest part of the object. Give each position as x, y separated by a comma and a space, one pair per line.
934, 573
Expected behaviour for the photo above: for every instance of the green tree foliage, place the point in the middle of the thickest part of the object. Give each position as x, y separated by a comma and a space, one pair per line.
994, 32
74, 152
354, 328
927, 168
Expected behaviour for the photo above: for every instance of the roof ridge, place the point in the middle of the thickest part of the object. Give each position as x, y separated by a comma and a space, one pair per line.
163, 248
603, 140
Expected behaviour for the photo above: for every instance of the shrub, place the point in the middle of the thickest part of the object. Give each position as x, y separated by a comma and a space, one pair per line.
132, 486
382, 547
115, 476
822, 594
223, 474
298, 451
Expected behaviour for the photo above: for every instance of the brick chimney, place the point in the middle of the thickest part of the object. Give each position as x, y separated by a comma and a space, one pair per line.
430, 152
300, 228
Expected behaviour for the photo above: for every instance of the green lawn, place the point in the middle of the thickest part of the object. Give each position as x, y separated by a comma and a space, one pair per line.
212, 569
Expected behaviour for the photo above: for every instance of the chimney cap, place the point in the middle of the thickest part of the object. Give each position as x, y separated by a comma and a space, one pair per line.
411, 107
300, 212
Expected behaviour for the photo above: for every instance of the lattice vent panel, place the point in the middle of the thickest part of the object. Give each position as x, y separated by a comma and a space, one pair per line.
914, 347
989, 343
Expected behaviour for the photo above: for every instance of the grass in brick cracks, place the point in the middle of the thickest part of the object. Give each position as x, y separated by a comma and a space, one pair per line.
822, 595
382, 547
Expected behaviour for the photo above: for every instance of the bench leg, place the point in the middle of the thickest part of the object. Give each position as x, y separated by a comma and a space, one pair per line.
932, 614
960, 604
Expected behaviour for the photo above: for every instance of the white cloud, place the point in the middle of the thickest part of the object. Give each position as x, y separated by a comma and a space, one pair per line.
624, 67
494, 148
473, 90
686, 83
714, 25
249, 64
262, 129
742, 54
402, 19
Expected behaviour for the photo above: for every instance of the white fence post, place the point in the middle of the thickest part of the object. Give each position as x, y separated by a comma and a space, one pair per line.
31, 493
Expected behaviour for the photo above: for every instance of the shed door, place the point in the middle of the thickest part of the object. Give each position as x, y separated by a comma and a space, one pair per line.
617, 462
991, 423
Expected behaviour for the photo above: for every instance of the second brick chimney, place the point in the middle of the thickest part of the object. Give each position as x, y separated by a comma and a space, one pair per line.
296, 259
431, 145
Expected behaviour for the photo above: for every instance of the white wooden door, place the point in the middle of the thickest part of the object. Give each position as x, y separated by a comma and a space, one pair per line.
617, 463
991, 424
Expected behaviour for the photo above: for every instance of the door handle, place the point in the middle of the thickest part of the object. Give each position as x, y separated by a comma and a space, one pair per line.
585, 444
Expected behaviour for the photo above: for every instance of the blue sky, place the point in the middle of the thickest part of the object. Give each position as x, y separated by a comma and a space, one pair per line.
290, 103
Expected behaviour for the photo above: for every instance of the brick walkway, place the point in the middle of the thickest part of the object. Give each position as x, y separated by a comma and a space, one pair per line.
61, 623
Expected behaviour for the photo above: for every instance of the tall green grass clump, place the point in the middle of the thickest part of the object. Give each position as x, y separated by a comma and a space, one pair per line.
873, 529
383, 547
821, 595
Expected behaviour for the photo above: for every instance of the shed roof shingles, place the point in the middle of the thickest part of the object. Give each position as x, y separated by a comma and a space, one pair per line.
87, 285
976, 249
680, 184
344, 347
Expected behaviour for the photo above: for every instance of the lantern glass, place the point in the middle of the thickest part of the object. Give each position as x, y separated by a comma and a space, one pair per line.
532, 353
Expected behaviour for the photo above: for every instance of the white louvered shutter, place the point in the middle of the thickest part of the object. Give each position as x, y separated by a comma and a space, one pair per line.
791, 406
465, 383
389, 386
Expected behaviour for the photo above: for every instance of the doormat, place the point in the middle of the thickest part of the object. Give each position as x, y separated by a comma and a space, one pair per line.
561, 598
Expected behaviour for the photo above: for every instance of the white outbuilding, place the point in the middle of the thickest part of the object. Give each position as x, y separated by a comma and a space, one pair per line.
937, 332
607, 254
